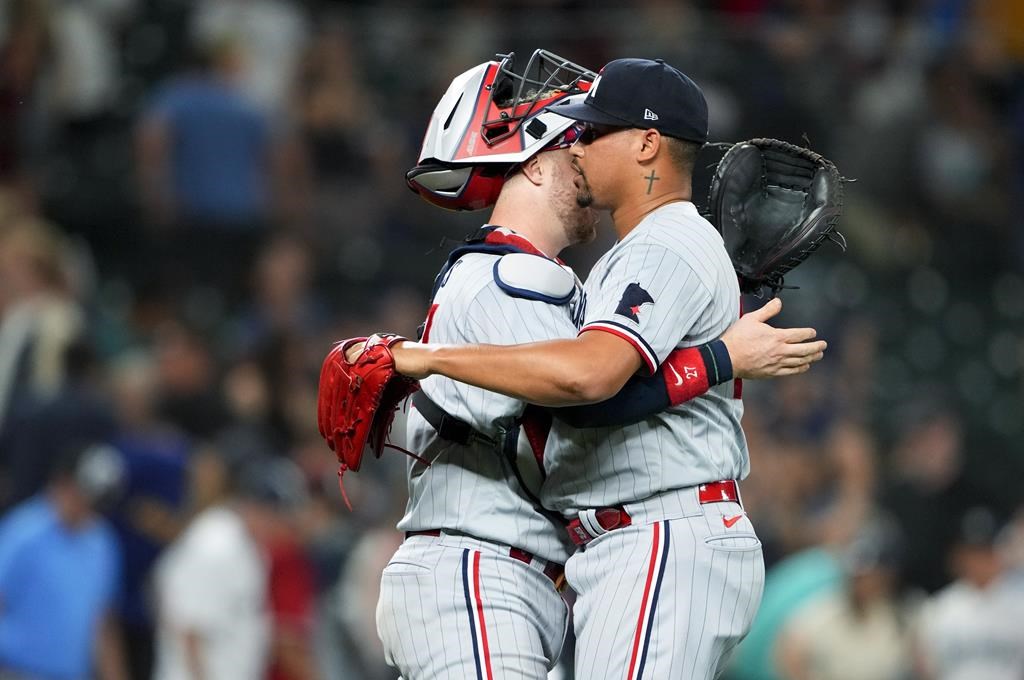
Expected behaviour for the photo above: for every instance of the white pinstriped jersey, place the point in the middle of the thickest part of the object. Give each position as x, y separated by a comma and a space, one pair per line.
471, 489
967, 632
669, 283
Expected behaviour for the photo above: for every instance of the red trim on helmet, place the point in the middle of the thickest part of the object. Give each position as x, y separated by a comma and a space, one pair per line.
476, 144
480, 190
490, 132
470, 137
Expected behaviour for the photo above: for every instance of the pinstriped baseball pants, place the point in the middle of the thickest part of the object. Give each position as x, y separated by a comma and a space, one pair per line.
666, 599
458, 608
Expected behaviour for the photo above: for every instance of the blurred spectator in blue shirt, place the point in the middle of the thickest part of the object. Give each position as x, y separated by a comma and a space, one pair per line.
59, 573
205, 146
151, 511
210, 160
271, 34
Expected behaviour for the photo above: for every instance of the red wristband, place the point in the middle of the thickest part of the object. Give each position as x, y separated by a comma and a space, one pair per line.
686, 375
692, 371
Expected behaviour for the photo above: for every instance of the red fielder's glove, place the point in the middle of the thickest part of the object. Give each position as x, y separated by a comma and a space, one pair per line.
358, 399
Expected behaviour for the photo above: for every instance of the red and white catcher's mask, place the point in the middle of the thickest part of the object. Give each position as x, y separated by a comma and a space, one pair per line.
490, 120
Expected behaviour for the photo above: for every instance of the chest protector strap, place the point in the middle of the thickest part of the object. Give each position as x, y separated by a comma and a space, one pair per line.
518, 277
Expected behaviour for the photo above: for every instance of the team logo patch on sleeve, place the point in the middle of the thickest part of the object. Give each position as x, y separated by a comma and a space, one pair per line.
633, 298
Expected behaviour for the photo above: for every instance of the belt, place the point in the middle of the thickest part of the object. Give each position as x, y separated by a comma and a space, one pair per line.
553, 570
599, 521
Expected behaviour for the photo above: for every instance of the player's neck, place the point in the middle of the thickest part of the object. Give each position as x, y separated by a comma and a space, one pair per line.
532, 223
631, 212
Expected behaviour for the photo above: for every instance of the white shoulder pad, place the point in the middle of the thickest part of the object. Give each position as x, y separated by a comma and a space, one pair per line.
535, 278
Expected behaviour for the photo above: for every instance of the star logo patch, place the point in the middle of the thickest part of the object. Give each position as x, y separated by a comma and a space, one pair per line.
633, 299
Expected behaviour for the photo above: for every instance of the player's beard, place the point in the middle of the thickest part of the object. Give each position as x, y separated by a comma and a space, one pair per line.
578, 221
584, 197
583, 227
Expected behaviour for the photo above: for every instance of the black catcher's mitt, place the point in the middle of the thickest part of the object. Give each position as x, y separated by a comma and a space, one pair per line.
774, 203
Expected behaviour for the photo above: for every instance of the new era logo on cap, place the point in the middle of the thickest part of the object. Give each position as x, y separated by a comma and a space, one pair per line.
650, 115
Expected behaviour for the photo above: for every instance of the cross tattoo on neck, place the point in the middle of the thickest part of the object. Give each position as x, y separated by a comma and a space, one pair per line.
650, 180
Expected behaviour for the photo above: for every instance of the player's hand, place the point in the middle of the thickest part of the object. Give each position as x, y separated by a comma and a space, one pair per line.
410, 357
353, 352
758, 350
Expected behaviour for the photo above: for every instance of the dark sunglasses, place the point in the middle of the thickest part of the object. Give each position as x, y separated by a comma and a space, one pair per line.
588, 133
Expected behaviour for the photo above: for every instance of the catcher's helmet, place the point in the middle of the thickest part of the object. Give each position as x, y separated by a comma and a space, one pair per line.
490, 120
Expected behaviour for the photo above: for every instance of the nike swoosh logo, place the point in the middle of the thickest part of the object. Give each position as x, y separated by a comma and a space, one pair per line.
729, 521
679, 378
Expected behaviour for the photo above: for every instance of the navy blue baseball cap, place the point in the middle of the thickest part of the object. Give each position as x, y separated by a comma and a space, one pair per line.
643, 93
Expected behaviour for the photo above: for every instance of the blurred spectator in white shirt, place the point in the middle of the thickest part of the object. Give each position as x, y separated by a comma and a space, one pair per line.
87, 63
972, 628
211, 586
856, 632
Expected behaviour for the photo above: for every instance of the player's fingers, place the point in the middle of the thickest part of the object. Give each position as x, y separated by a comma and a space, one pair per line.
770, 309
792, 366
803, 349
353, 352
806, 360
797, 334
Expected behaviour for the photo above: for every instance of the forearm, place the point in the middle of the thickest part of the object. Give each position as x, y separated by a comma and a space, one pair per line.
553, 373
151, 150
110, 658
686, 374
193, 645
640, 398
293, 655
290, 180
790, 658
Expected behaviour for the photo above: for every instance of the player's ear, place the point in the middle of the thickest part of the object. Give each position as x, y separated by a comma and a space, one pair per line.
533, 169
648, 145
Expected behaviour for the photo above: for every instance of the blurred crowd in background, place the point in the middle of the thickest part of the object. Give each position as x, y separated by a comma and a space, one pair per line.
198, 196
